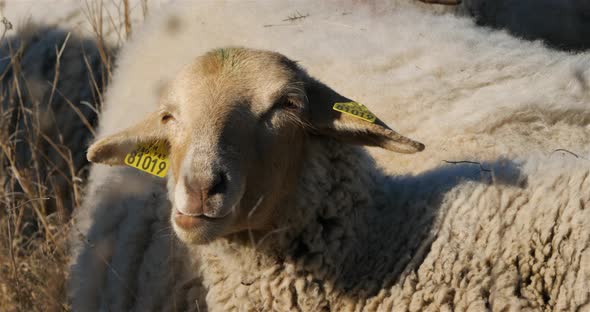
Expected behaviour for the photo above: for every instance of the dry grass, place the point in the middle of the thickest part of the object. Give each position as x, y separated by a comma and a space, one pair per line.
42, 168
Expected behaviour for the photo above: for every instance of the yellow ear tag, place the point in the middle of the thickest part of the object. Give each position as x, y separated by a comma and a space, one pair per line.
149, 157
355, 109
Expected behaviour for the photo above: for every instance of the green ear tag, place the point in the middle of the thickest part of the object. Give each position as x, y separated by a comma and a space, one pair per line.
149, 157
355, 109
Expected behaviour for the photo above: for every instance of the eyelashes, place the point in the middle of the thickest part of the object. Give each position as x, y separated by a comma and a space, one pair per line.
288, 104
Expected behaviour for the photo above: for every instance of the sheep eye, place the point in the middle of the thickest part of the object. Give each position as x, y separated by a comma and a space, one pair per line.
286, 103
166, 118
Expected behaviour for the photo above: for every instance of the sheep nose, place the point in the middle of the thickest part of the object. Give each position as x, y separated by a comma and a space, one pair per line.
199, 191
219, 184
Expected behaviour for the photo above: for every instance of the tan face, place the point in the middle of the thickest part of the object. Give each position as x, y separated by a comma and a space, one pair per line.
236, 121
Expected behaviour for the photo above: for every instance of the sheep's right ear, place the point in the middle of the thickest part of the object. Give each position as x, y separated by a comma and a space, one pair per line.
111, 150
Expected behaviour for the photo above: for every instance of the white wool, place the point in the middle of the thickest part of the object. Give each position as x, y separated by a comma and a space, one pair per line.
424, 75
468, 93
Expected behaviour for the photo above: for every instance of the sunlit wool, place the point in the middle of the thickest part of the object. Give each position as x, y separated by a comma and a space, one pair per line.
402, 232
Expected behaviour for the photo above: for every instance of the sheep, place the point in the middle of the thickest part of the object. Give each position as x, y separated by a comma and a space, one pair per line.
52, 81
462, 90
54, 71
561, 24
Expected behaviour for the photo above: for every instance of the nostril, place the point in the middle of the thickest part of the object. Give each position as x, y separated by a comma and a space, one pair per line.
219, 185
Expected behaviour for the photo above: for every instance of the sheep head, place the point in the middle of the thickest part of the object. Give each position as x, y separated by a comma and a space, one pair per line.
236, 122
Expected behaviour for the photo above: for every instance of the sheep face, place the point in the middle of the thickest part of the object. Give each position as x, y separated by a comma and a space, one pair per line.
236, 122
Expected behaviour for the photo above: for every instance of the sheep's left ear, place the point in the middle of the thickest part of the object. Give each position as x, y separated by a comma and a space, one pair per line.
112, 149
336, 116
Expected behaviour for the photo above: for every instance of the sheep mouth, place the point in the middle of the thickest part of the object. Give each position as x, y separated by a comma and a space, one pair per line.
187, 222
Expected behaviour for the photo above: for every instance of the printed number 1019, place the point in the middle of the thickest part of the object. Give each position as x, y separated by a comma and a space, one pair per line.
148, 163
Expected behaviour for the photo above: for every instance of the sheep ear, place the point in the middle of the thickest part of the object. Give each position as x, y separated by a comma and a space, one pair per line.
111, 150
334, 115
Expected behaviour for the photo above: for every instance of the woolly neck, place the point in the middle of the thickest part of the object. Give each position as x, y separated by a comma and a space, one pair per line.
326, 235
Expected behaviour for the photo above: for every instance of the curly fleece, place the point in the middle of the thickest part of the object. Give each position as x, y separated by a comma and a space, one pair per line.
397, 233
450, 239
